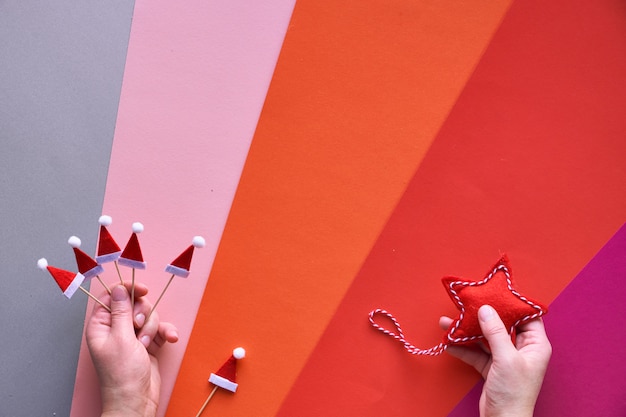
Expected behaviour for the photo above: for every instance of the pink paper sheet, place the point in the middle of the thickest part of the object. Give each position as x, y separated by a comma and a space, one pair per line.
195, 81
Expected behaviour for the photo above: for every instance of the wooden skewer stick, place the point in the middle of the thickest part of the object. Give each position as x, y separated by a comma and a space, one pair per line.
93, 297
132, 292
131, 256
119, 274
103, 284
207, 401
160, 296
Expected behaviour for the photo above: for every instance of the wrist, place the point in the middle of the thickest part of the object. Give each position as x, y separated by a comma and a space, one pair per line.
118, 402
511, 412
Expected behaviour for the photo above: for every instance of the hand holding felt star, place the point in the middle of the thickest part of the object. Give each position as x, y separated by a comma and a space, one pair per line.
495, 289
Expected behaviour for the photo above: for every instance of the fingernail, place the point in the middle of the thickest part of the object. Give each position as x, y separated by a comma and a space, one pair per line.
140, 319
486, 312
119, 293
145, 340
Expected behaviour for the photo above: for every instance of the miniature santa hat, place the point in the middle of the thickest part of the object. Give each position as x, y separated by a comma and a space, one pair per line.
86, 265
180, 266
108, 250
68, 281
225, 377
131, 256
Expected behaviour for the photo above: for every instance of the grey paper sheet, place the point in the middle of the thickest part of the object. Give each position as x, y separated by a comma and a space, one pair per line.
61, 68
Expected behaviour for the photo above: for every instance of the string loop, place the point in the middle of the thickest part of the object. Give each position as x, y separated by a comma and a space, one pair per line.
399, 336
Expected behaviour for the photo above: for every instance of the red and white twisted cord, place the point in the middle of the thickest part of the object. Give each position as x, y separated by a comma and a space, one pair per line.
399, 336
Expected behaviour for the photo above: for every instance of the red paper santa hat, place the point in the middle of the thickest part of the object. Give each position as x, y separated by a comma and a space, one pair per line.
86, 265
108, 250
131, 256
68, 281
180, 266
226, 376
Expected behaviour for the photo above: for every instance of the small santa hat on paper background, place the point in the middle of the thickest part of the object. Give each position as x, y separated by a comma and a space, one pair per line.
108, 250
86, 265
68, 281
131, 256
180, 266
226, 375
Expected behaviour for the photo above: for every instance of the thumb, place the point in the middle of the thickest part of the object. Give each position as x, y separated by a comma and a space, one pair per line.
121, 314
494, 331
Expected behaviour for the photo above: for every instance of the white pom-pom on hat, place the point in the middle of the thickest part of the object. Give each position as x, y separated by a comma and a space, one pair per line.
137, 227
74, 241
239, 353
42, 263
198, 242
105, 220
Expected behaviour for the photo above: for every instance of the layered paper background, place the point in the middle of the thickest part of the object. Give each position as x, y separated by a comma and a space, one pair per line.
343, 156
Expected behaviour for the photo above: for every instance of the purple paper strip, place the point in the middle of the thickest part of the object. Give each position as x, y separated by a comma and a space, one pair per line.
587, 372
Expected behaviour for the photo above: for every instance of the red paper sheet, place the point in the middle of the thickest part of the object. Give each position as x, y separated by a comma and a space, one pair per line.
530, 162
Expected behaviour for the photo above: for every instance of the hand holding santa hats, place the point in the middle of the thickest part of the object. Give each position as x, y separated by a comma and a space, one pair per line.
132, 257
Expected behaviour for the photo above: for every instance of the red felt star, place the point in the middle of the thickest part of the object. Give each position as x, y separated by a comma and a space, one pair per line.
496, 289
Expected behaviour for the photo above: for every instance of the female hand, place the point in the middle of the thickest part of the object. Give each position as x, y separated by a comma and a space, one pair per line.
513, 372
122, 344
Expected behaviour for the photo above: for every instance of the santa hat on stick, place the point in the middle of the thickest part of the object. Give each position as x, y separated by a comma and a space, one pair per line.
180, 266
131, 256
86, 265
226, 375
108, 250
68, 281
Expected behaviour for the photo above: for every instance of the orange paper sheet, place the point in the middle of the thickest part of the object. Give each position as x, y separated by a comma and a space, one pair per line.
359, 93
